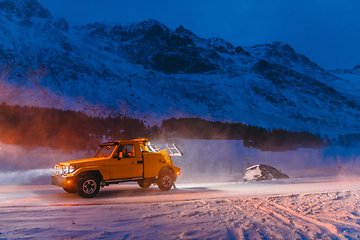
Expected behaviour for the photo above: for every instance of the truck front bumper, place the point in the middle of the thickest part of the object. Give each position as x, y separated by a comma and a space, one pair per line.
64, 182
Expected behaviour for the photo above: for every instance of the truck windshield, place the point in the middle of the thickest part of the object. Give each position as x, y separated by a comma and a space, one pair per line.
104, 151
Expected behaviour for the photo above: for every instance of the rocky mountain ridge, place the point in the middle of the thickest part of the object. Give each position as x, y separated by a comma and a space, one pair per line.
149, 71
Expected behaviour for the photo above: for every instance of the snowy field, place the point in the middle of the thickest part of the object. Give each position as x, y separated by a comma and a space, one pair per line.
319, 201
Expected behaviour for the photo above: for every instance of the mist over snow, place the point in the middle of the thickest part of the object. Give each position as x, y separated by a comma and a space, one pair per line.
24, 166
203, 161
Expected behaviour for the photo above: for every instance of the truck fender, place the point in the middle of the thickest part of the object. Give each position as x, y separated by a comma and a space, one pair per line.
94, 173
167, 169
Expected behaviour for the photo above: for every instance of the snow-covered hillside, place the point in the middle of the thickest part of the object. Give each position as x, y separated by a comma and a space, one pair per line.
149, 71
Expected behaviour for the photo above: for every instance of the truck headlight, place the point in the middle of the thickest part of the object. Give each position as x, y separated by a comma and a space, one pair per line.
63, 169
72, 168
67, 169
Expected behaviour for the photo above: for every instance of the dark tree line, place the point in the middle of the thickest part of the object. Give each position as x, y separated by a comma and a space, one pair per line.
252, 136
70, 130
348, 140
63, 129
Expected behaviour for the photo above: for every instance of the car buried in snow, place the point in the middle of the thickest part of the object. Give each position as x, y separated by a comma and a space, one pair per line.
120, 161
263, 172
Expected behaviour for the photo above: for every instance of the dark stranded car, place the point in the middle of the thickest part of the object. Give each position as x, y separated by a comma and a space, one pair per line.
263, 172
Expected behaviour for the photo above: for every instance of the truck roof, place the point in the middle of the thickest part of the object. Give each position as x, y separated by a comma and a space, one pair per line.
118, 142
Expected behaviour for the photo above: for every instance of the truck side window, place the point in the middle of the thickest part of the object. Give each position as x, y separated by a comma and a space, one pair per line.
125, 151
130, 150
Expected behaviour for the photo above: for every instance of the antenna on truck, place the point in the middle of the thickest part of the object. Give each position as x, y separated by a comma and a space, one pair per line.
174, 150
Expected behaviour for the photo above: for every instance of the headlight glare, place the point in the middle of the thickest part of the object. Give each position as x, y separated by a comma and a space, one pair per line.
64, 169
57, 169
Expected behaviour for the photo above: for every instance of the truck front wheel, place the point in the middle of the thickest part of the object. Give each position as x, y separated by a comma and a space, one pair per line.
88, 187
165, 181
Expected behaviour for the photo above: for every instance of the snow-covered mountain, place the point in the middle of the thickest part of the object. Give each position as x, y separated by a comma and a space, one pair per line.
149, 71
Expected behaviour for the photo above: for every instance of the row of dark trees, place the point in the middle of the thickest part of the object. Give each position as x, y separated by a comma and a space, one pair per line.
252, 136
63, 129
70, 130
348, 140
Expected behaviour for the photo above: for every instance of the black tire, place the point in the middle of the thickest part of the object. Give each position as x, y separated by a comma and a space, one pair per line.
144, 183
70, 190
88, 187
165, 181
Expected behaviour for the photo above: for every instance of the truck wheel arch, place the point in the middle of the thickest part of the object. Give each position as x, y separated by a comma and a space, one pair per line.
167, 169
93, 173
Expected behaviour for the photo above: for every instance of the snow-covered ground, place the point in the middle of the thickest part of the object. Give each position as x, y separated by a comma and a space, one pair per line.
320, 200
276, 210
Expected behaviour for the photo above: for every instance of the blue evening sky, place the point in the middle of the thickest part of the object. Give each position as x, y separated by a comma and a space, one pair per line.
327, 31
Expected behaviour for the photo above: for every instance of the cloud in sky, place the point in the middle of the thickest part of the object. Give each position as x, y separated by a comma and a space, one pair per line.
327, 31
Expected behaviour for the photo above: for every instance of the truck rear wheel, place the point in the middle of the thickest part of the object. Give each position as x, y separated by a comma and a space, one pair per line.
144, 183
165, 181
88, 187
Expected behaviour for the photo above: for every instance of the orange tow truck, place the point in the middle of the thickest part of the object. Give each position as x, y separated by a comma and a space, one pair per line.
120, 161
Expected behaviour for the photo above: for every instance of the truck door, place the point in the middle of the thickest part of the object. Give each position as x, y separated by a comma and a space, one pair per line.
124, 163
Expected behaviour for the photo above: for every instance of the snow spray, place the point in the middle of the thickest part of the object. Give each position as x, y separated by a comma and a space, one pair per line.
26, 177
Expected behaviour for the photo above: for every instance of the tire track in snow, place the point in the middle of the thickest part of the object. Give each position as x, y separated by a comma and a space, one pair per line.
293, 226
327, 226
259, 222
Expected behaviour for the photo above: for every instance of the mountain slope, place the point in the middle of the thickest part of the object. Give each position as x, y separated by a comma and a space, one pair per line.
149, 71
